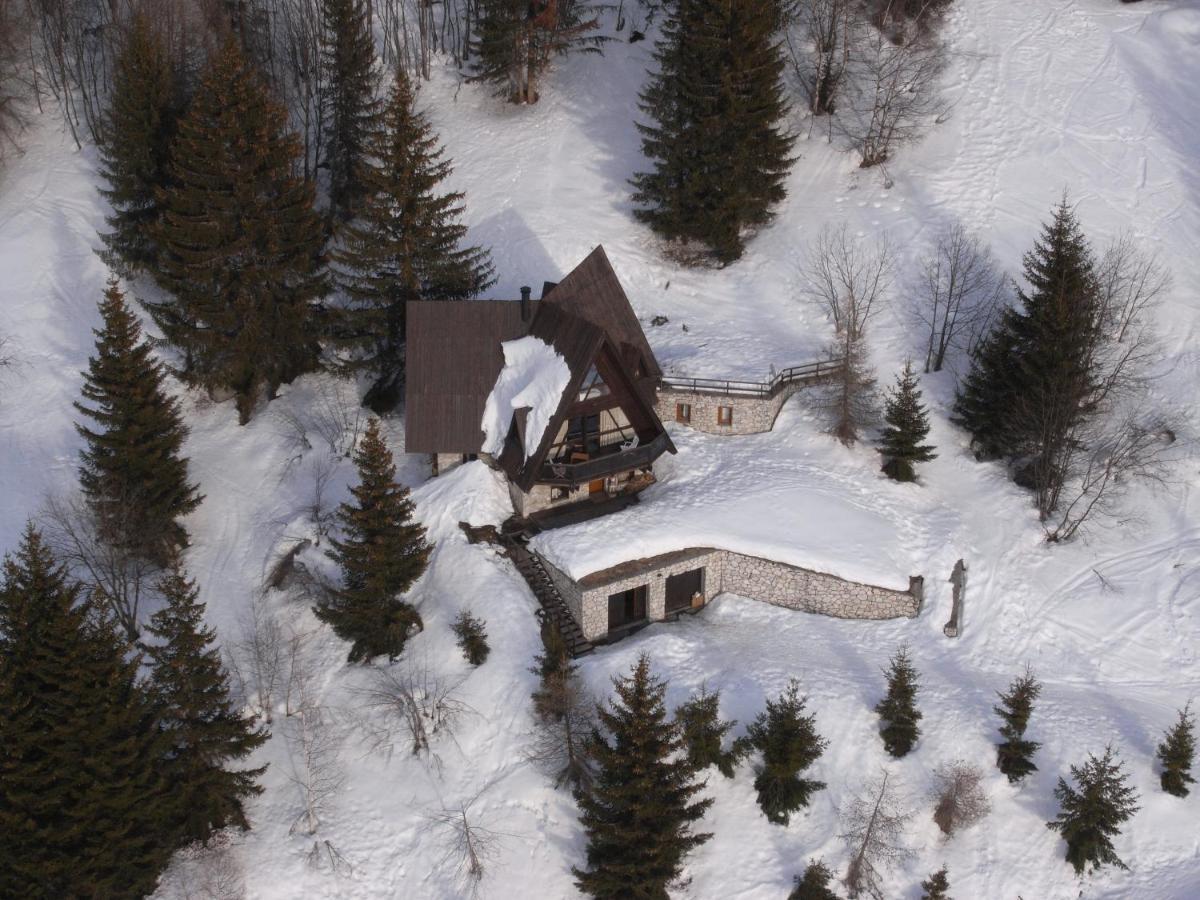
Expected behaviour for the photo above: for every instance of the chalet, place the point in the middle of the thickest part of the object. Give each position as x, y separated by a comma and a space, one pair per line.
559, 393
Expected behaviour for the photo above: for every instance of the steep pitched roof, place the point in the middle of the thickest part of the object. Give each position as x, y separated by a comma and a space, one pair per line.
454, 358
593, 292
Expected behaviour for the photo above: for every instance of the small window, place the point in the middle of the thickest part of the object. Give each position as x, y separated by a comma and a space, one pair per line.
683, 412
724, 415
558, 494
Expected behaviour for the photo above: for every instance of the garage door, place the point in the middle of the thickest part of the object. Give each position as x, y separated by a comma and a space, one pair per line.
681, 587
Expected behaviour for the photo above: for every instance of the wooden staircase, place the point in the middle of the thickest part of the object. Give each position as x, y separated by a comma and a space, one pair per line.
554, 607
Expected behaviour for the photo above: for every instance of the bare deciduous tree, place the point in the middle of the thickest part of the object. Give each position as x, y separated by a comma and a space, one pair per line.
962, 289
822, 57
209, 873
15, 79
470, 845
875, 824
257, 661
958, 796
848, 278
895, 96
565, 716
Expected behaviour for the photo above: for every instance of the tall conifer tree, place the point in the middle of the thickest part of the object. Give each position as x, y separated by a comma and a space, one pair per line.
639, 812
1092, 813
134, 141
406, 245
205, 731
85, 809
717, 141
348, 59
703, 732
382, 553
898, 709
907, 426
1014, 755
131, 471
240, 241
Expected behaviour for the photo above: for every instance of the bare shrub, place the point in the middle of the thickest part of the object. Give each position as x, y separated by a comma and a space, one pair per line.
337, 416
469, 844
565, 716
212, 873
823, 55
257, 659
875, 824
958, 796
312, 738
961, 291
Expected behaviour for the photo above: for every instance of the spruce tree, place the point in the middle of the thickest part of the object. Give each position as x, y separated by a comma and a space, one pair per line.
907, 426
639, 813
703, 731
405, 245
984, 402
716, 139
1014, 755
348, 61
131, 472
935, 887
898, 709
472, 638
240, 241
789, 744
382, 553
1091, 815
1176, 753
516, 40
85, 809
814, 884
205, 730
133, 142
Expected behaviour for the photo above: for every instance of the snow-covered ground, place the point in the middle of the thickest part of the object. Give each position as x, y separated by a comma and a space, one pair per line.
1090, 96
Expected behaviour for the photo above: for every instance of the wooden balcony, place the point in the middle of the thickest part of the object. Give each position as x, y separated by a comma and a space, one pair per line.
609, 460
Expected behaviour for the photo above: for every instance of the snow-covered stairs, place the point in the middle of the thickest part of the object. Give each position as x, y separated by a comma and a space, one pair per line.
530, 565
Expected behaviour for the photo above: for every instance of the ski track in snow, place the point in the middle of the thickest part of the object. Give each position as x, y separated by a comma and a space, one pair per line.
1089, 96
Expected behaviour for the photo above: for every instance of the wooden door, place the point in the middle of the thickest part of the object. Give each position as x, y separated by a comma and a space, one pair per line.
682, 587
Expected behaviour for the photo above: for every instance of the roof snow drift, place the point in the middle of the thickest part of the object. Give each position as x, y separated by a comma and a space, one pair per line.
533, 378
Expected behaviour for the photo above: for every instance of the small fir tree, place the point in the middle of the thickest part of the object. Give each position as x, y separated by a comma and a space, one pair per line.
134, 141
936, 886
1014, 755
565, 714
85, 809
907, 426
639, 812
898, 709
206, 732
716, 139
1091, 815
814, 884
348, 61
704, 731
789, 744
552, 666
472, 638
131, 472
382, 554
1176, 753
406, 245
241, 244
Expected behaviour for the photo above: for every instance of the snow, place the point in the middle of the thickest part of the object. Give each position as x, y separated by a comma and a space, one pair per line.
1093, 96
534, 378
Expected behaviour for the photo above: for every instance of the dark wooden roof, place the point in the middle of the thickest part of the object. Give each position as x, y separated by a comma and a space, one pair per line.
454, 358
593, 292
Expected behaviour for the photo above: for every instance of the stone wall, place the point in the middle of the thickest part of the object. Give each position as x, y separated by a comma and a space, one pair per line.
444, 462
734, 573
537, 498
751, 415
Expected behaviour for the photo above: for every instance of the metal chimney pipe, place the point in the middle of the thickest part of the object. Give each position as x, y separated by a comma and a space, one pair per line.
525, 303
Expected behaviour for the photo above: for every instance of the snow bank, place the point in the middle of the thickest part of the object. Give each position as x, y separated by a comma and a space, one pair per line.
534, 376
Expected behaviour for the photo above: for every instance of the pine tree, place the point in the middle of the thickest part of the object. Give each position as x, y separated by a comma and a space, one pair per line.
1092, 814
382, 554
1176, 753
404, 246
517, 39
907, 426
348, 61
134, 141
131, 472
1036, 379
472, 638
789, 744
240, 241
198, 716
85, 810
814, 885
936, 886
639, 813
898, 709
717, 142
1014, 755
703, 731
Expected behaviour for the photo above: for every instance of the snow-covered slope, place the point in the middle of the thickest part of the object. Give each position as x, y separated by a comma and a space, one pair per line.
1090, 96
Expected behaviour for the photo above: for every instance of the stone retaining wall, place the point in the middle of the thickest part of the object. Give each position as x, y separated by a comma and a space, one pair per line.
751, 415
572, 594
